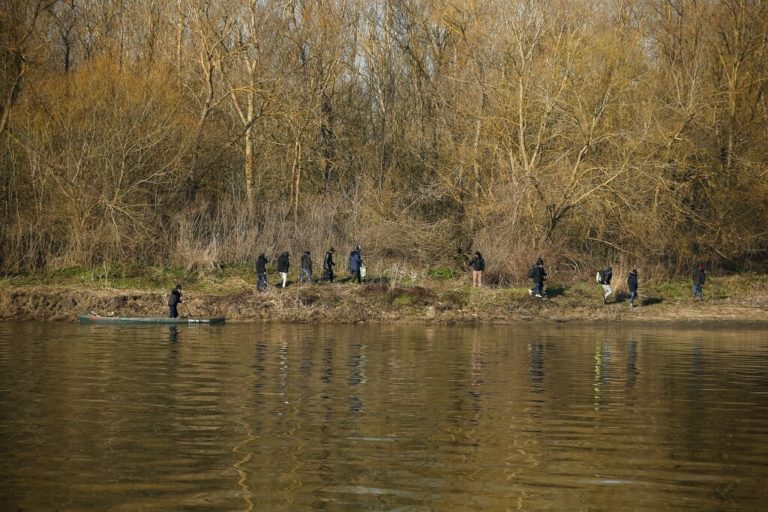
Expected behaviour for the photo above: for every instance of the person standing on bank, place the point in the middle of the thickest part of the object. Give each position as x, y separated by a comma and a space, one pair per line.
328, 265
699, 278
604, 278
478, 266
632, 285
283, 264
539, 275
355, 263
261, 272
305, 276
173, 301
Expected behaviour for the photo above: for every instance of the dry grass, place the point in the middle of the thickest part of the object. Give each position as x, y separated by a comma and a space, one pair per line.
403, 295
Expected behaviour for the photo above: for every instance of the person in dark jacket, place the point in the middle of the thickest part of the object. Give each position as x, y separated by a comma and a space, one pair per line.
355, 264
478, 266
632, 285
539, 275
173, 301
261, 272
305, 276
699, 278
283, 264
604, 278
328, 265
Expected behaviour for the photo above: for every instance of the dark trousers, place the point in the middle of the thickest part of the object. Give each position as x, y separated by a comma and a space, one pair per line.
357, 277
538, 288
329, 275
172, 311
261, 281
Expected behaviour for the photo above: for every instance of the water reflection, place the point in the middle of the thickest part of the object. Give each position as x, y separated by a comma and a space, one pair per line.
536, 368
356, 364
476, 374
254, 417
631, 363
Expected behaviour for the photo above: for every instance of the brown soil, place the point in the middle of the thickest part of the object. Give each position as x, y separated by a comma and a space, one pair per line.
367, 303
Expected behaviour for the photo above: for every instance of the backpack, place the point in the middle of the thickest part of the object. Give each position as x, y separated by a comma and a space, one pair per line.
600, 277
532, 273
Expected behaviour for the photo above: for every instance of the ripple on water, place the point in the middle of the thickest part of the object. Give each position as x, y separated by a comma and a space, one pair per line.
254, 417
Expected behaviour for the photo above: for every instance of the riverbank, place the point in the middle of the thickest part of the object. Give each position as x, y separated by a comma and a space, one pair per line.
452, 301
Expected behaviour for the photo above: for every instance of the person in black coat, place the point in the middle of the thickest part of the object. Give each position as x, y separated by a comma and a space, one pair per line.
539, 275
173, 301
356, 264
632, 285
699, 278
283, 264
478, 267
328, 264
305, 276
261, 272
604, 278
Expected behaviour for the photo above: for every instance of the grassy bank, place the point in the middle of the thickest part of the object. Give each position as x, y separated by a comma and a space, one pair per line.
435, 295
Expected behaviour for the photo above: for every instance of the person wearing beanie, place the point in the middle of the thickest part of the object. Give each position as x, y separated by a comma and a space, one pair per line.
539, 275
356, 264
604, 279
632, 285
173, 301
305, 275
283, 264
328, 265
699, 278
261, 272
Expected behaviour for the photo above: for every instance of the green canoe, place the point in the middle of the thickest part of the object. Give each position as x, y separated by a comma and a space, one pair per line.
98, 319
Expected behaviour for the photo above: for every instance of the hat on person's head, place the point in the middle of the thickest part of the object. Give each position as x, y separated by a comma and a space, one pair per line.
332, 250
178, 286
540, 261
701, 266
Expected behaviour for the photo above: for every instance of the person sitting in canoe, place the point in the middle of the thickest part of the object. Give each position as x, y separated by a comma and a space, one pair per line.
173, 301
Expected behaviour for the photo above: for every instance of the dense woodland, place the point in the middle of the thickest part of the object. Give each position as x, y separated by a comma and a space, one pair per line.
196, 132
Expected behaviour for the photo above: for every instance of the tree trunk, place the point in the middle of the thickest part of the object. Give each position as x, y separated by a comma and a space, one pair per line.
250, 191
296, 174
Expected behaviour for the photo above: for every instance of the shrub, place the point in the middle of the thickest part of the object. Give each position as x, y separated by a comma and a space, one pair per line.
411, 296
455, 298
308, 297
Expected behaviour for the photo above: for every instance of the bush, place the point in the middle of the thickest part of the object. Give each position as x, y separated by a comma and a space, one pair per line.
404, 301
308, 296
456, 298
411, 296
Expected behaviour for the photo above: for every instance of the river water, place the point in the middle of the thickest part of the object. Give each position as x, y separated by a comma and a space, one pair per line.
402, 417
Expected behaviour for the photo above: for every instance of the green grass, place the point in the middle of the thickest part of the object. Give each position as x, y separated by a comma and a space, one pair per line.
440, 273
672, 290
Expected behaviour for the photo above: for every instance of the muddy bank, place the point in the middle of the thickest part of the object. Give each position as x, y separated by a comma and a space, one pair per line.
368, 303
